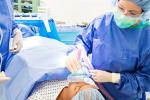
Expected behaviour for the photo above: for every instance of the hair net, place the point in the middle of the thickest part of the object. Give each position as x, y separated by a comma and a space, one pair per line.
88, 94
144, 4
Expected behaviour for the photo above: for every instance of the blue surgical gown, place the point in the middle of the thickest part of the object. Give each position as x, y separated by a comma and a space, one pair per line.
6, 25
124, 51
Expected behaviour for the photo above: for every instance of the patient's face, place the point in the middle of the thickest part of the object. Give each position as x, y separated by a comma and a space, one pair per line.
69, 92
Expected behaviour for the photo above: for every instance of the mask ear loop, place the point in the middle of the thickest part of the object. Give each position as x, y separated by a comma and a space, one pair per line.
1, 56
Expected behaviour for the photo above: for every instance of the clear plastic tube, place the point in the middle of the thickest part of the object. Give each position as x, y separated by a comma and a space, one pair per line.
82, 75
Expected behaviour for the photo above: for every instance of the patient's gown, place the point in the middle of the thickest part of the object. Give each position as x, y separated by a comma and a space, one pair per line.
49, 90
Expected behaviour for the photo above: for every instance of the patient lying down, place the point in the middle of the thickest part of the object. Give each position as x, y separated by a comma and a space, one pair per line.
78, 86
64, 90
80, 91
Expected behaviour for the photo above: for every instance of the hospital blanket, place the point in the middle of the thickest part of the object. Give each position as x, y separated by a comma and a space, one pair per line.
40, 59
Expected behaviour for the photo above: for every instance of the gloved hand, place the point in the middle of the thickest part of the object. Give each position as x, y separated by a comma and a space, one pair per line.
104, 76
72, 61
3, 77
17, 41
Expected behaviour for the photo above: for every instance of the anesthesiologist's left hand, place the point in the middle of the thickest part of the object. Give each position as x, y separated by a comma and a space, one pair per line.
72, 61
104, 76
17, 41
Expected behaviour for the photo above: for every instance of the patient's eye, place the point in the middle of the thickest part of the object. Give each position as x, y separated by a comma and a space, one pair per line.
77, 88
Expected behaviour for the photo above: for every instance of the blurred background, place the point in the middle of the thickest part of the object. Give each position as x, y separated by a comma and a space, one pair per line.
67, 11
70, 16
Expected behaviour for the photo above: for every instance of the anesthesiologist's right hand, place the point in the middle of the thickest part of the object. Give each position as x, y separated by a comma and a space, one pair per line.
73, 61
3, 77
17, 43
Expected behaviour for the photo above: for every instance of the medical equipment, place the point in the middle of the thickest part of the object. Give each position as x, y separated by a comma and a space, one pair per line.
82, 75
26, 5
47, 27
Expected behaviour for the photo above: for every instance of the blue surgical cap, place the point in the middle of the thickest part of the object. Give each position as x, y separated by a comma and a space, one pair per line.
144, 4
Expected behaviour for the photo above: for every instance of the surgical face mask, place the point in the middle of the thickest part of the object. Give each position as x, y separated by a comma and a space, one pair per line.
124, 21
